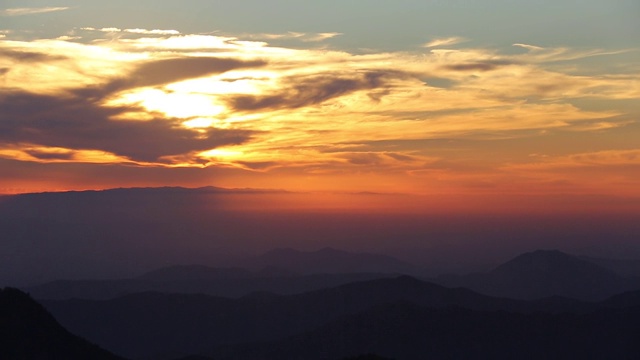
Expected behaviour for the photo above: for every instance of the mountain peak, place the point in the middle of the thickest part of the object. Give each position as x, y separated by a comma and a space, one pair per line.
549, 262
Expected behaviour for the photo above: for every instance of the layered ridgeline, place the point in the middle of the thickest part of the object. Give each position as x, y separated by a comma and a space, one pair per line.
28, 331
281, 271
533, 275
545, 273
400, 318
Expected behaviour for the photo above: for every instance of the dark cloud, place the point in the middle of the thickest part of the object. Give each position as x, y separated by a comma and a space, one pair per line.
80, 122
310, 90
401, 157
166, 71
363, 158
76, 123
259, 165
29, 56
479, 66
171, 70
4, 71
46, 155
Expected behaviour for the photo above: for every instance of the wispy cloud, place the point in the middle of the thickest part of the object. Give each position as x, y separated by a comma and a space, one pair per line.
320, 36
529, 47
30, 11
606, 158
444, 41
134, 31
304, 37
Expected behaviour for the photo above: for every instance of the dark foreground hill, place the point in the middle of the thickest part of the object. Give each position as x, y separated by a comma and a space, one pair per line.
29, 332
164, 326
545, 273
405, 331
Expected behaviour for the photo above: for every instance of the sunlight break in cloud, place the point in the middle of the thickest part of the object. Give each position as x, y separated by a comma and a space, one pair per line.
30, 11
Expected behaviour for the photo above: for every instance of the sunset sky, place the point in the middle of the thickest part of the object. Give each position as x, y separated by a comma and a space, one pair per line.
451, 99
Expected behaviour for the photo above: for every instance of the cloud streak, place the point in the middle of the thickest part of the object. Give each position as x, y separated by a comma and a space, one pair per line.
30, 11
304, 91
453, 40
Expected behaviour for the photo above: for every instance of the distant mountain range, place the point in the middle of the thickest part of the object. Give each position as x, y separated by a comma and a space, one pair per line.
29, 332
545, 273
382, 316
533, 275
281, 271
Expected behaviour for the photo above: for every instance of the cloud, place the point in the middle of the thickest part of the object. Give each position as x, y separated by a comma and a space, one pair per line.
311, 90
606, 158
29, 56
75, 123
48, 154
321, 36
444, 41
30, 11
305, 37
168, 100
529, 47
133, 31
152, 32
479, 66
165, 71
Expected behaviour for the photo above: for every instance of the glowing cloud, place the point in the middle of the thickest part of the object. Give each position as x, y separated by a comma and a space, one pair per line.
444, 41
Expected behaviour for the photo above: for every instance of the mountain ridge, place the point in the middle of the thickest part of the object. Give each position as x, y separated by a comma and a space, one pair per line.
544, 273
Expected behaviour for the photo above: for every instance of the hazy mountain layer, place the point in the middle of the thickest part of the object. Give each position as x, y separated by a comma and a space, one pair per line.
545, 273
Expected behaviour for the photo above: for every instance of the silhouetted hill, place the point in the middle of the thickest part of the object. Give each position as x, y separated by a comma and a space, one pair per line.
29, 332
329, 260
406, 331
545, 273
145, 325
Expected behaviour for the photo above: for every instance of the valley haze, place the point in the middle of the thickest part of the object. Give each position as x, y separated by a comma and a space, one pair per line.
122, 233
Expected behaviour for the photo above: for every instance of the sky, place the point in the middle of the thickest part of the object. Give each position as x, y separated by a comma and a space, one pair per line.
534, 104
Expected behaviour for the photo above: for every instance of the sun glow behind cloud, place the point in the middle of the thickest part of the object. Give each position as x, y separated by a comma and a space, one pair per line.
301, 113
